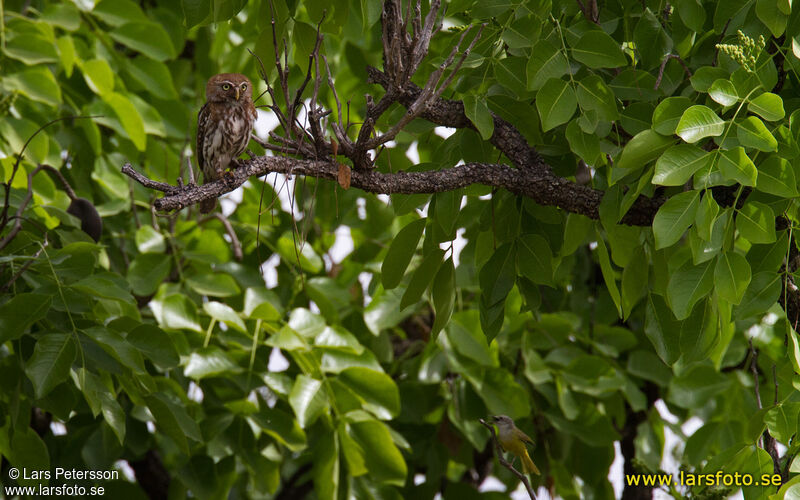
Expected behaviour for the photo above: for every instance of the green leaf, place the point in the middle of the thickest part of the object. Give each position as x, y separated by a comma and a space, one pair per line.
147, 272
652, 42
735, 165
692, 14
210, 362
608, 274
776, 176
422, 277
679, 163
510, 73
37, 83
731, 276
118, 12
723, 92
401, 250
763, 292
752, 133
698, 122
172, 420
662, 329
281, 426
768, 106
224, 314
383, 459
674, 217
497, 275
308, 400
129, 117
117, 347
756, 222
51, 362
478, 113
705, 76
594, 95
634, 281
706, 215
155, 344
377, 390
20, 312
668, 113
769, 14
687, 285
556, 103
260, 303
547, 61
149, 240
30, 49
153, 76
444, 295
176, 312
98, 76
596, 49
146, 37
299, 253
352, 451
782, 421
643, 148
535, 259
214, 284
29, 452
587, 146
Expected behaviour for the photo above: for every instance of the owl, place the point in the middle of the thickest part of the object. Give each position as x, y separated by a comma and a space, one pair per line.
223, 126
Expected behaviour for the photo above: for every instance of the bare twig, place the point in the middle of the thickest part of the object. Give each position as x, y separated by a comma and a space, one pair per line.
25, 266
22, 206
235, 244
766, 441
719, 40
67, 188
664, 64
500, 458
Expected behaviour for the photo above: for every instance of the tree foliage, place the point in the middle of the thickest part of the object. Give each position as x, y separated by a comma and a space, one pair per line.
606, 223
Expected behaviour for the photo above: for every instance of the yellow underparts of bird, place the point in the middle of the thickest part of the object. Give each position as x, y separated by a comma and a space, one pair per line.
514, 440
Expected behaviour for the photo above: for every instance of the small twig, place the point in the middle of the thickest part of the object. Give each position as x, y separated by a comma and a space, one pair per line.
664, 64
18, 215
719, 40
25, 266
237, 246
500, 458
128, 170
67, 188
766, 441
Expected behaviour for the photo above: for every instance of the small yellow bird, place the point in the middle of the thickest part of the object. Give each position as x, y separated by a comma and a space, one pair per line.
513, 440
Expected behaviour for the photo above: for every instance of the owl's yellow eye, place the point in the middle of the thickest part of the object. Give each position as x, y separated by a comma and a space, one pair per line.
226, 87
244, 86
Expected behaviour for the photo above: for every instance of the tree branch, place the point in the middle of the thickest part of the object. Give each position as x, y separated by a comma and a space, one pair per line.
542, 187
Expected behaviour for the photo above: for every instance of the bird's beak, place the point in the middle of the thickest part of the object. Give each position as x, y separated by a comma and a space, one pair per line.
237, 93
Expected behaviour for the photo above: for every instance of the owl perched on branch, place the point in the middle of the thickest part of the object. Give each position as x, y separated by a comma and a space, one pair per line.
223, 126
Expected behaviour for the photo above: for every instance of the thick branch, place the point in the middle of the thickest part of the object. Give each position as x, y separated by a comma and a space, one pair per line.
543, 187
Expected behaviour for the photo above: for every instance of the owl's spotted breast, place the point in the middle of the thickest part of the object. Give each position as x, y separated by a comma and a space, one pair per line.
223, 126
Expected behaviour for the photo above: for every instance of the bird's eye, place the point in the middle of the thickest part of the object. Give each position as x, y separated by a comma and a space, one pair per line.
226, 87
244, 86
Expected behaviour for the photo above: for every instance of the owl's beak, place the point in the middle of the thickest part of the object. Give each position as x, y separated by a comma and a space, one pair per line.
237, 93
